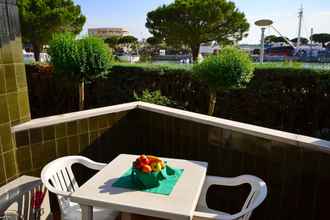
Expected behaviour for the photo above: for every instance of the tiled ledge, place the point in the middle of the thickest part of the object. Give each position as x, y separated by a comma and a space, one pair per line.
270, 134
267, 133
74, 116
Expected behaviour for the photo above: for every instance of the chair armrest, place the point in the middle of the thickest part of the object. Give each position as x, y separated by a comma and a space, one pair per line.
91, 164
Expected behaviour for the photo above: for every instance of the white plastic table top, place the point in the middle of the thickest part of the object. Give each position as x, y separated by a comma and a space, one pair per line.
180, 204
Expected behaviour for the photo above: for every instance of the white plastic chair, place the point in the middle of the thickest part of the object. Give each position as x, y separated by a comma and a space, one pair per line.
59, 179
16, 199
256, 196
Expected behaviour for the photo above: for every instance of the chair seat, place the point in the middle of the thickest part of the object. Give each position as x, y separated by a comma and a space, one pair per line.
73, 212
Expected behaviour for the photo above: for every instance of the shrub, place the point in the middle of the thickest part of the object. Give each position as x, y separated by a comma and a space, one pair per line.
94, 58
79, 60
154, 97
231, 68
63, 50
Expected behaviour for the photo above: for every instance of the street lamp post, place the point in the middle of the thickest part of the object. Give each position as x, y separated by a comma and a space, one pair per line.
262, 42
263, 24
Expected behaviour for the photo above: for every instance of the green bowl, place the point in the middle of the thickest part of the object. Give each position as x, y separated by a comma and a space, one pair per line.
153, 179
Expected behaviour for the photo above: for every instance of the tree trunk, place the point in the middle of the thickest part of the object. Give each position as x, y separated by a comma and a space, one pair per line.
212, 102
81, 95
36, 51
195, 52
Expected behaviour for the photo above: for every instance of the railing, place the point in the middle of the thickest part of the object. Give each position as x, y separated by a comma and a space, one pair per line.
294, 167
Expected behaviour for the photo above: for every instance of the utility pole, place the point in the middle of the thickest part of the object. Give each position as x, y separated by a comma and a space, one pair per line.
300, 16
312, 32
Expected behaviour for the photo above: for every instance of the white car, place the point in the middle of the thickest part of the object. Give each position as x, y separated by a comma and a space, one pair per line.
29, 57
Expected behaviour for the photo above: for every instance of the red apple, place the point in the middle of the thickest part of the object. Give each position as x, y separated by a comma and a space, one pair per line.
144, 159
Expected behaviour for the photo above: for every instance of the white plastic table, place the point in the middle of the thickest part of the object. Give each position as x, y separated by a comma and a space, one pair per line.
180, 204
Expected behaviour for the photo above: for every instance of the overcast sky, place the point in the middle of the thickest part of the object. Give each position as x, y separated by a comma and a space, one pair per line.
131, 14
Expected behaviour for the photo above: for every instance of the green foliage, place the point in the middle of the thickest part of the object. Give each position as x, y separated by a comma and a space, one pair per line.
79, 60
154, 41
94, 58
231, 68
112, 41
128, 40
322, 38
63, 50
40, 19
303, 40
192, 22
154, 97
152, 69
115, 42
285, 64
275, 39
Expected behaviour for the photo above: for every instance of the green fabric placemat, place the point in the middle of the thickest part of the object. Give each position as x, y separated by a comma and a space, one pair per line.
165, 188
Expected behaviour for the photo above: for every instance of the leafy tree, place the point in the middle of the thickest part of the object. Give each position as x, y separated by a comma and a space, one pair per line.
303, 40
154, 41
40, 19
128, 40
270, 39
112, 41
322, 38
231, 68
79, 61
275, 39
192, 22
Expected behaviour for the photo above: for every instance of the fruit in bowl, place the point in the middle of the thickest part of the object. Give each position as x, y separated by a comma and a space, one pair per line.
148, 170
149, 164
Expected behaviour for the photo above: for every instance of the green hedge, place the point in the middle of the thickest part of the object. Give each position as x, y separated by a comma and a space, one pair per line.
290, 99
156, 69
161, 69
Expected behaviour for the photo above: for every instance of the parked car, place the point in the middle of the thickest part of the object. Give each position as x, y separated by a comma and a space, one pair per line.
29, 57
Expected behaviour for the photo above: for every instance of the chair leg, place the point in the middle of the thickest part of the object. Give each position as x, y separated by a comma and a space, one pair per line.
86, 212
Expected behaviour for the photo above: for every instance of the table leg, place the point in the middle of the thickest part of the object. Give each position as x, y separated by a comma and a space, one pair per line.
126, 216
86, 212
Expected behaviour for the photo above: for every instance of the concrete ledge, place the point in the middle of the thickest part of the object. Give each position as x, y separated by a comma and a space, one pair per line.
267, 133
74, 116
262, 132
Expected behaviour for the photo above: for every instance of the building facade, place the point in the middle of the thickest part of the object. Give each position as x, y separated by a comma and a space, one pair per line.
107, 32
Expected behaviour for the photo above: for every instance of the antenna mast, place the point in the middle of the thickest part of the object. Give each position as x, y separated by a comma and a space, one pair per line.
300, 16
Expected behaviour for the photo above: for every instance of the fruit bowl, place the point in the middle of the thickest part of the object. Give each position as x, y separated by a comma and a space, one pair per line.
148, 171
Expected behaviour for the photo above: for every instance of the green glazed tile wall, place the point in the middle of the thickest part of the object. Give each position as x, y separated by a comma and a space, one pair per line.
36, 147
14, 103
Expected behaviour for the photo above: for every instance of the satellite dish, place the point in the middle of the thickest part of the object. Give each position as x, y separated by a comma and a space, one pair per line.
263, 22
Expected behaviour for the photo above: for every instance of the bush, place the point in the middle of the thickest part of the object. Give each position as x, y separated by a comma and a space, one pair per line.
94, 58
79, 60
63, 50
154, 97
231, 68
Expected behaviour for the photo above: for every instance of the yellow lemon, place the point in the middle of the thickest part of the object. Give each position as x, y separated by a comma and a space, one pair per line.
156, 167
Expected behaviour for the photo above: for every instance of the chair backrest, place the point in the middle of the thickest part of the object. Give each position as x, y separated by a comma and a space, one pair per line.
20, 193
59, 178
256, 196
